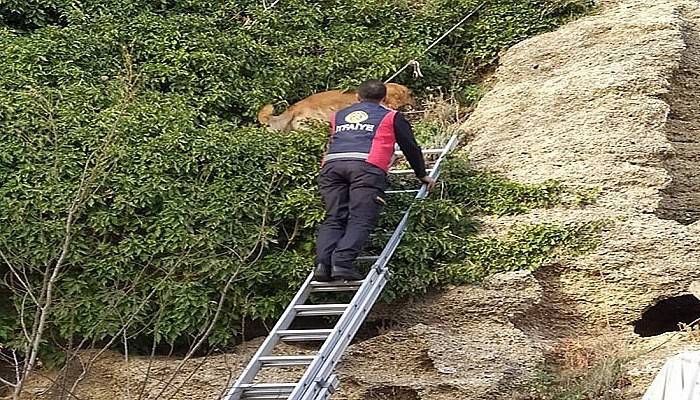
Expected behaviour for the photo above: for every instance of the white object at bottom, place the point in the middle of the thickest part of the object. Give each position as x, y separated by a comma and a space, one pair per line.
679, 379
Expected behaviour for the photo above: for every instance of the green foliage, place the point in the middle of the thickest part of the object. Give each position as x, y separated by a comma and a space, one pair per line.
441, 247
431, 135
470, 94
129, 120
174, 209
8, 320
486, 192
229, 58
442, 244
30, 14
603, 381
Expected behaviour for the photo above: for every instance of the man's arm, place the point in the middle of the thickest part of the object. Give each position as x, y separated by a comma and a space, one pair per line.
410, 148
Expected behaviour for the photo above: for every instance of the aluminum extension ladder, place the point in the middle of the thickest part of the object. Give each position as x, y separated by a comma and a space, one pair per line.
318, 381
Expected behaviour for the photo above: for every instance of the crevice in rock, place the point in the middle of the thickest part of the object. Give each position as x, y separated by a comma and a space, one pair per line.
666, 315
681, 199
424, 362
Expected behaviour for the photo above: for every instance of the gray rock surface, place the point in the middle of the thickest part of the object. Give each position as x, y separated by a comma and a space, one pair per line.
613, 104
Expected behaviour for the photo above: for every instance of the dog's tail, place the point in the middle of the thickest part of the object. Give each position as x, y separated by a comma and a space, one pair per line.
265, 114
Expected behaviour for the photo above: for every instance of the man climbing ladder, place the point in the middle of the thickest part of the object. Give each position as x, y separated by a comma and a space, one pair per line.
317, 299
353, 178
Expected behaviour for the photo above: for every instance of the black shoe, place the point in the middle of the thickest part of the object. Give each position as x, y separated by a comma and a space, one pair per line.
346, 274
322, 273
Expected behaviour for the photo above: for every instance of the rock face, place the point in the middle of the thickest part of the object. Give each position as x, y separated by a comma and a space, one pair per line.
461, 344
611, 101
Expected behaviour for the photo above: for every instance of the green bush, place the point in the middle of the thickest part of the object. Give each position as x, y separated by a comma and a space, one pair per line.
486, 192
441, 247
229, 58
180, 208
132, 120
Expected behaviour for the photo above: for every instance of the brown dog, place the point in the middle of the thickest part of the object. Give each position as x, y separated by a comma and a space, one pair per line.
320, 106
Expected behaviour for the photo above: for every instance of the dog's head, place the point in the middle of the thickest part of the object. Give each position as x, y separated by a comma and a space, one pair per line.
398, 96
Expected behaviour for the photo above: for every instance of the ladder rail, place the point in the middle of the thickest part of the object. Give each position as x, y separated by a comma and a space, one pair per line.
381, 272
310, 377
395, 238
328, 389
345, 336
270, 342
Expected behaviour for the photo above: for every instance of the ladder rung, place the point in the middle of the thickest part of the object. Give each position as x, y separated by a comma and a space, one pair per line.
303, 335
402, 191
407, 171
320, 309
426, 151
263, 391
335, 286
285, 361
317, 284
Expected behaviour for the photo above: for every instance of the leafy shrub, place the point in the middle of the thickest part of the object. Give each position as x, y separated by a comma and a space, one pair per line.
440, 247
486, 192
157, 251
171, 207
128, 120
229, 58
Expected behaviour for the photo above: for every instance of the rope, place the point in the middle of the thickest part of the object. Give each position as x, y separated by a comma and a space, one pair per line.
415, 64
249, 23
267, 8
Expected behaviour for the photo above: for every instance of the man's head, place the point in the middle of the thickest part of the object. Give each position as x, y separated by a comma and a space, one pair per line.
372, 90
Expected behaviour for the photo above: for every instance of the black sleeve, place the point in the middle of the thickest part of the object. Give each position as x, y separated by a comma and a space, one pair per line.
409, 146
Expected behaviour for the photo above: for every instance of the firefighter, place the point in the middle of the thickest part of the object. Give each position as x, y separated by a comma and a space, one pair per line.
354, 176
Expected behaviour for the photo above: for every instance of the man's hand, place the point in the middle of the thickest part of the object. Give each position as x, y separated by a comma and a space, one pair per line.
428, 181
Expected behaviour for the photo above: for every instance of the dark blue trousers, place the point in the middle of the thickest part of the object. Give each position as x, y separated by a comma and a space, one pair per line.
353, 195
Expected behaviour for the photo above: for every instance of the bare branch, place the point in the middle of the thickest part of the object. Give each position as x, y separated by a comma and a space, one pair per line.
153, 353
17, 372
126, 325
227, 385
126, 360
204, 335
22, 282
101, 164
257, 247
21, 320
7, 383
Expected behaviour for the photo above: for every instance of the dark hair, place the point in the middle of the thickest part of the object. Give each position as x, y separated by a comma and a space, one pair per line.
372, 90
